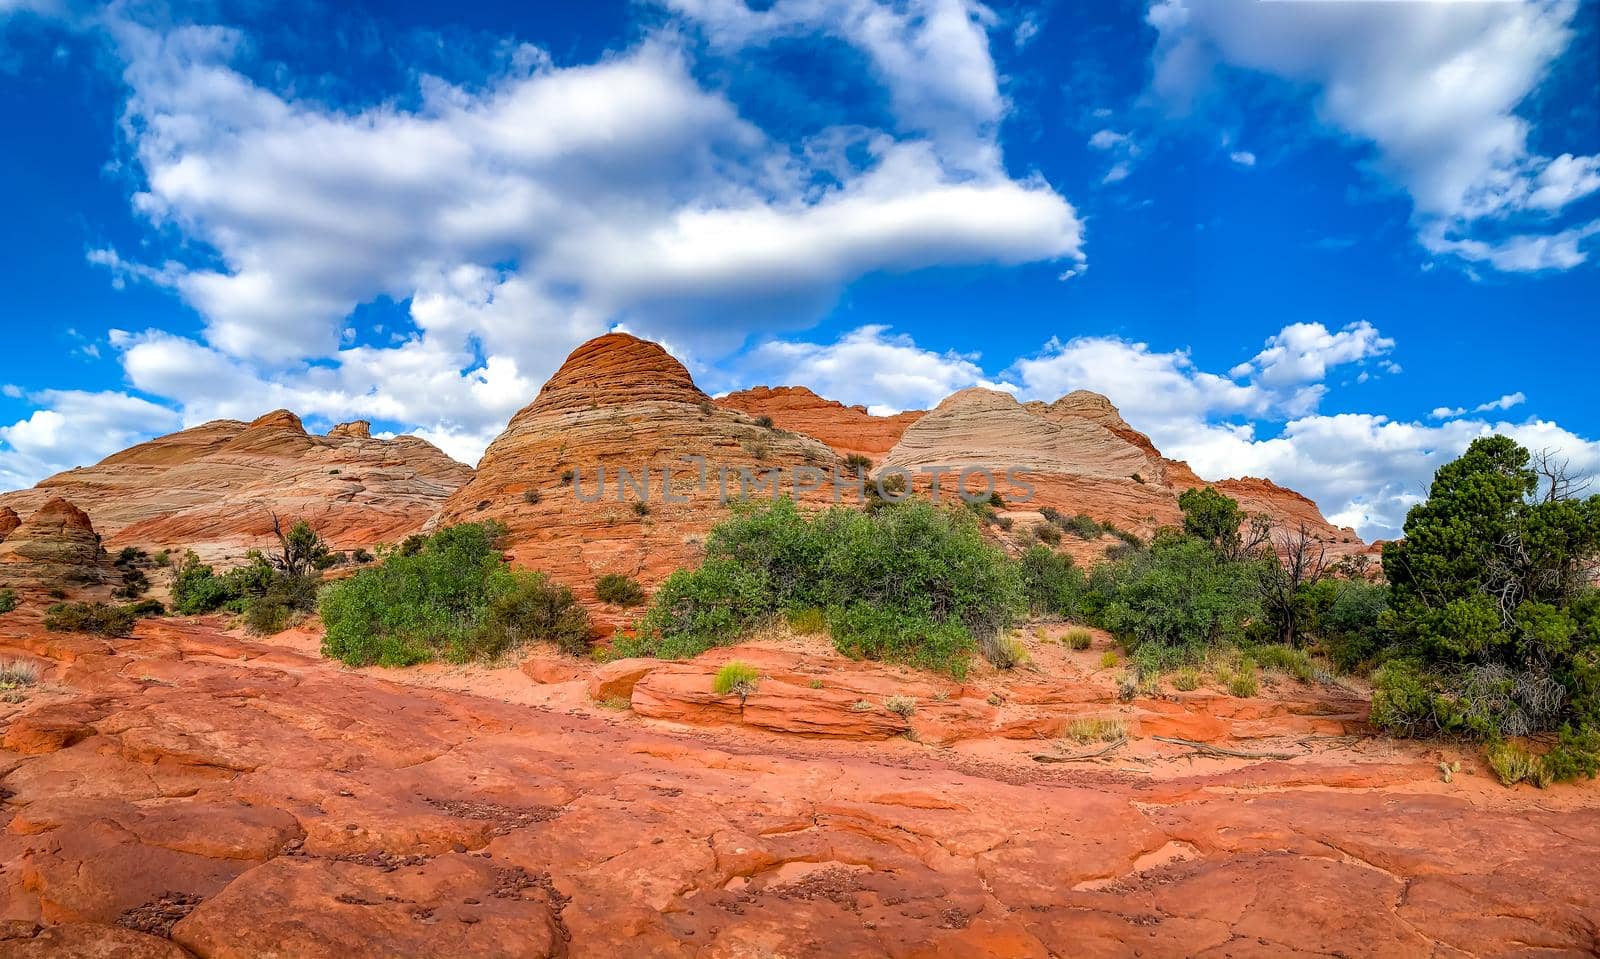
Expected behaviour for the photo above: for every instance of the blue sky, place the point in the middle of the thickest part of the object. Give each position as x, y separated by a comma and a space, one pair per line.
1325, 242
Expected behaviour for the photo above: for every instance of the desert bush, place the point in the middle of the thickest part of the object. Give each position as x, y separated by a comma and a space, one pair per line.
1047, 533
619, 589
1051, 583
147, 607
1243, 679
736, 678
765, 422
914, 583
1186, 679
1109, 659
641, 508
1286, 659
902, 706
1082, 526
98, 618
855, 462
523, 607
454, 597
531, 497
1079, 639
1182, 592
8, 600
1494, 617
360, 555
1092, 729
697, 609
16, 673
1514, 764
1006, 652
808, 621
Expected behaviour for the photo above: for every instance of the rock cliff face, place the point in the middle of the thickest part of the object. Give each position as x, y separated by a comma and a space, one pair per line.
213, 488
1076, 464
1081, 456
619, 403
847, 429
55, 548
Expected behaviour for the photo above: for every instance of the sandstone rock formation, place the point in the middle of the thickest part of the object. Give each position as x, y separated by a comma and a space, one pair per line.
847, 429
1083, 457
213, 488
184, 793
620, 403
1075, 463
55, 548
9, 521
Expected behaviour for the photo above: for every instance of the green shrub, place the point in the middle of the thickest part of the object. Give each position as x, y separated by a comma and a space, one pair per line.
1494, 619
452, 597
911, 583
902, 706
765, 422
8, 600
864, 631
1295, 662
1186, 679
528, 607
147, 607
98, 618
1051, 583
1245, 680
808, 621
1079, 639
619, 589
1514, 764
1109, 659
736, 678
1047, 533
697, 609
263, 618
1182, 592
360, 555
1083, 527
855, 462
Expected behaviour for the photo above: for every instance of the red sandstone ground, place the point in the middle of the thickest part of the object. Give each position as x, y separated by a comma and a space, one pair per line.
186, 792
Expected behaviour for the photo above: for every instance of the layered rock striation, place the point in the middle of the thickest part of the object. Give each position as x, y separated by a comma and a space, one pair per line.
214, 488
617, 404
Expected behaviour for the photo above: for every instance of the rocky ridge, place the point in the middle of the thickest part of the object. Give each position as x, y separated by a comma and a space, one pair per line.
214, 487
620, 403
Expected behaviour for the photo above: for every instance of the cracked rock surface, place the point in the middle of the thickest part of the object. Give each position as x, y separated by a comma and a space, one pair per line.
185, 792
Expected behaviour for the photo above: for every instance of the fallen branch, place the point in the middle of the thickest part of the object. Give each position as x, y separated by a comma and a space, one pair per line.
1079, 757
1211, 750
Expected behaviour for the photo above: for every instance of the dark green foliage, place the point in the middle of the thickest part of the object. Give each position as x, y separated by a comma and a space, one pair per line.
98, 618
147, 607
268, 597
619, 589
1047, 533
532, 607
450, 595
765, 422
300, 550
641, 508
856, 462
360, 555
697, 609
134, 582
1183, 591
8, 600
912, 583
1495, 623
1346, 619
1211, 516
1051, 583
